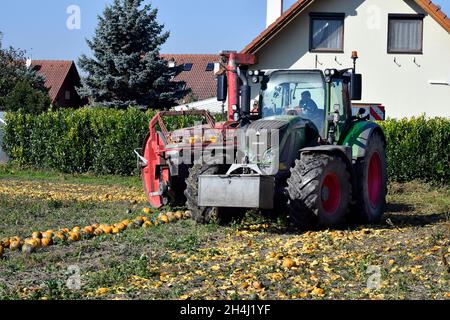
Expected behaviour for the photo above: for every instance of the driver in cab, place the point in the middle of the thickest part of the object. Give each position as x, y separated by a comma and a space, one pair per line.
307, 105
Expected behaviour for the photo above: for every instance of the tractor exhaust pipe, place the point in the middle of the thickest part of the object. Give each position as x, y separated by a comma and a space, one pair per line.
245, 96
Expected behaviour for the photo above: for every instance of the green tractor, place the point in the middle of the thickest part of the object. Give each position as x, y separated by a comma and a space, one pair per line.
301, 152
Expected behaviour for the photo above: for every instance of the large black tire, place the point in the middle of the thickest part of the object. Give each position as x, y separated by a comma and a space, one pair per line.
371, 184
205, 215
319, 191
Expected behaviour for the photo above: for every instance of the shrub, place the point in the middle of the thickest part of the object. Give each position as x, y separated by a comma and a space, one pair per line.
97, 140
24, 97
418, 148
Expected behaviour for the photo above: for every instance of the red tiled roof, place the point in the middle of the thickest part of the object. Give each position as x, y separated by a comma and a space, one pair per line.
298, 7
201, 82
55, 72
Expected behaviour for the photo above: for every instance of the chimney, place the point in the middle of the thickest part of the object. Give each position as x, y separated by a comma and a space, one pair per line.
274, 11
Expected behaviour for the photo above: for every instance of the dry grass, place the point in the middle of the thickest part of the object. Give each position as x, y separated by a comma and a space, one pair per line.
255, 259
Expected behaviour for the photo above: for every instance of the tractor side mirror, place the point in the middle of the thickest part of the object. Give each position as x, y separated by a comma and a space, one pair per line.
356, 86
222, 88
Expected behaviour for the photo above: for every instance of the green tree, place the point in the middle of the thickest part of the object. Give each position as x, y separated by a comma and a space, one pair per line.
126, 68
13, 69
25, 98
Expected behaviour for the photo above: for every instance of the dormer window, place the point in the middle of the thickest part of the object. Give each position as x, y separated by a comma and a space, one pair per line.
187, 67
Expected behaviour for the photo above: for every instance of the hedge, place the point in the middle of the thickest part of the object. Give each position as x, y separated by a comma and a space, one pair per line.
101, 141
95, 140
418, 149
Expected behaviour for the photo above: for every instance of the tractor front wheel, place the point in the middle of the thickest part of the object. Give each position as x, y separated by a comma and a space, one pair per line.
319, 191
205, 215
371, 175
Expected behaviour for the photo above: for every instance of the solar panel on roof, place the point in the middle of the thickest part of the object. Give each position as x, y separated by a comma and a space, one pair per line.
188, 66
210, 66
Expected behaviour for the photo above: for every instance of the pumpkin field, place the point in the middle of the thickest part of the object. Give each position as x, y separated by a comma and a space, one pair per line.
86, 237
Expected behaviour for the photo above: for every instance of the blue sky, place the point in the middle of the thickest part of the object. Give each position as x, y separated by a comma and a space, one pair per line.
196, 26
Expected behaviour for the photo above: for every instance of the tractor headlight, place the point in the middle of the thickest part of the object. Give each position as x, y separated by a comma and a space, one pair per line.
270, 161
270, 157
250, 73
327, 72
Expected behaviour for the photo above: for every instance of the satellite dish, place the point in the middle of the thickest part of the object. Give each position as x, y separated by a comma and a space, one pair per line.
28, 63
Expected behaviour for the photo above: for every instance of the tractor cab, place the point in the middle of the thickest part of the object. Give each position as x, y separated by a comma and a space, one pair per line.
323, 98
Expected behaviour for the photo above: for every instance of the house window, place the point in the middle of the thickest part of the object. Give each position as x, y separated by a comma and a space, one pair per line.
210, 66
405, 33
327, 32
187, 66
67, 95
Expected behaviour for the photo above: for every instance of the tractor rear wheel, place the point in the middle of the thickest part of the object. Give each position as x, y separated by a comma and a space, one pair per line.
319, 191
371, 175
205, 215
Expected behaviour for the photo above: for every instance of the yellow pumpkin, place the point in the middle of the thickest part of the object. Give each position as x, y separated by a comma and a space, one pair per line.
59, 236
88, 230
36, 235
5, 242
46, 242
74, 236
121, 226
98, 232
163, 218
33, 242
187, 214
147, 224
47, 235
288, 263
76, 229
95, 226
107, 229
171, 216
16, 244
115, 230
179, 215
126, 222
146, 210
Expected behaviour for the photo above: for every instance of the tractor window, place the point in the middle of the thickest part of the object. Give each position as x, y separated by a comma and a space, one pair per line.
339, 96
295, 94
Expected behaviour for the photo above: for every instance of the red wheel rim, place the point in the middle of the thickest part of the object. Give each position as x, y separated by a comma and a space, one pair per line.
331, 193
374, 179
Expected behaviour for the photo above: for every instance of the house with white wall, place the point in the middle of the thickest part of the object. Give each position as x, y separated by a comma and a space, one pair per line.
403, 48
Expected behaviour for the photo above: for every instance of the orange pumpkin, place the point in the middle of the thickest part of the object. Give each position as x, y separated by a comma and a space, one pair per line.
5, 242
147, 224
146, 210
46, 242
74, 236
107, 229
47, 235
179, 215
88, 230
98, 232
36, 235
76, 229
163, 218
115, 230
16, 244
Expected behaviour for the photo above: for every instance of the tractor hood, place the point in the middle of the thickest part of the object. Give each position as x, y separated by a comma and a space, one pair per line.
274, 141
269, 124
